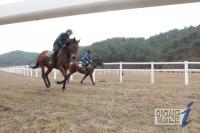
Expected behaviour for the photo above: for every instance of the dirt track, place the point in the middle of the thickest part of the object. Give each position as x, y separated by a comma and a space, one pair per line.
26, 106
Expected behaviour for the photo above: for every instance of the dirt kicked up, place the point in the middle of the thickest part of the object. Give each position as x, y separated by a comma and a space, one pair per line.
27, 106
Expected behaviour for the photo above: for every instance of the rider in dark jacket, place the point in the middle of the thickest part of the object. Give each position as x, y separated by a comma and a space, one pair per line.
62, 39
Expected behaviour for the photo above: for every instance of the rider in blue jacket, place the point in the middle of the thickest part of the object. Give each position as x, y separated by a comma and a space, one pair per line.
86, 58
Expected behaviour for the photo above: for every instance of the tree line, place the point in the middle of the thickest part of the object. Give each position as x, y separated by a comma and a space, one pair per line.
174, 45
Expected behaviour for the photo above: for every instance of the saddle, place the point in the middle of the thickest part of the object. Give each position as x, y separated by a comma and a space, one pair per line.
80, 64
49, 54
83, 67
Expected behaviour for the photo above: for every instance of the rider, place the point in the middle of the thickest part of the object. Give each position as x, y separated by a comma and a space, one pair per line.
86, 58
62, 39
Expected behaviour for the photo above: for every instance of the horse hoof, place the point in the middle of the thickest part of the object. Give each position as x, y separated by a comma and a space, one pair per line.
58, 82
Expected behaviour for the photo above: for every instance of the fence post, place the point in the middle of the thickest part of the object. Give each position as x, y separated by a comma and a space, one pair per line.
152, 72
186, 73
18, 72
31, 72
24, 70
27, 72
15, 70
36, 72
94, 75
54, 74
71, 77
120, 67
104, 72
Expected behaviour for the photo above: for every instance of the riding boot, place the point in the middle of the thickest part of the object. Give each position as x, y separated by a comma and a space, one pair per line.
86, 66
83, 67
53, 59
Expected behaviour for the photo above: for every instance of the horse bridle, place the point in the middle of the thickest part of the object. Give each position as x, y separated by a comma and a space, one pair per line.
67, 48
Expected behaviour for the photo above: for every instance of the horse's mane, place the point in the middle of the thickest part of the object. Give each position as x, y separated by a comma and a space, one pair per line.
96, 59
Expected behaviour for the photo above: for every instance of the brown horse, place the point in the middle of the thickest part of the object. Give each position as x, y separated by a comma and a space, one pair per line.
67, 52
88, 71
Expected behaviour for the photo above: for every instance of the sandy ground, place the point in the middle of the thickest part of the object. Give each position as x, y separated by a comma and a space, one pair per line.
27, 106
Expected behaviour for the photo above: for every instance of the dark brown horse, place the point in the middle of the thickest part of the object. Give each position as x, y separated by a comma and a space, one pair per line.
88, 71
67, 52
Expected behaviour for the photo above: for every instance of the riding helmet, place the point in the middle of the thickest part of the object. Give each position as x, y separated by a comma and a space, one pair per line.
69, 31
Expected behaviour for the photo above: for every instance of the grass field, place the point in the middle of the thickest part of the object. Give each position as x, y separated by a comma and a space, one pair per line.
27, 106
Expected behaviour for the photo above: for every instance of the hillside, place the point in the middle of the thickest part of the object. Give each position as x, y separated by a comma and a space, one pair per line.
17, 58
174, 45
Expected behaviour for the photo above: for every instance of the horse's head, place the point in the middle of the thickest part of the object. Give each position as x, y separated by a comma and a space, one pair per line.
73, 47
98, 62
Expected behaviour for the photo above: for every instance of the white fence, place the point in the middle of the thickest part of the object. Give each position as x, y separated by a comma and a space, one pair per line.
26, 71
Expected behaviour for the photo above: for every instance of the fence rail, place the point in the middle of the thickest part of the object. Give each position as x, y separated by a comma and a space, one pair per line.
26, 71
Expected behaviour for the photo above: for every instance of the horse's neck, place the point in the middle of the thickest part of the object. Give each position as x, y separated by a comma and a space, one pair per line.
94, 65
64, 54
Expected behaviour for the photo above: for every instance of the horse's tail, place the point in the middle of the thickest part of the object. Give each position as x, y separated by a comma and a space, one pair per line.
34, 66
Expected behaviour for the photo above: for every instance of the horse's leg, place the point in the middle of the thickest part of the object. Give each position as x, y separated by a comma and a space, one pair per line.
46, 75
62, 70
91, 78
43, 76
67, 77
61, 82
65, 80
84, 78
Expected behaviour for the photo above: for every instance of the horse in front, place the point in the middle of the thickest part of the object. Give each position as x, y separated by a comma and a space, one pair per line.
67, 52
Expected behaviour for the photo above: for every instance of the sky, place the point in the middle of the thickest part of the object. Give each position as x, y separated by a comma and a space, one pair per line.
5, 2
36, 36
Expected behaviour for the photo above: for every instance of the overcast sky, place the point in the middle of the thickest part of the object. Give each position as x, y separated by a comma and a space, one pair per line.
37, 36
